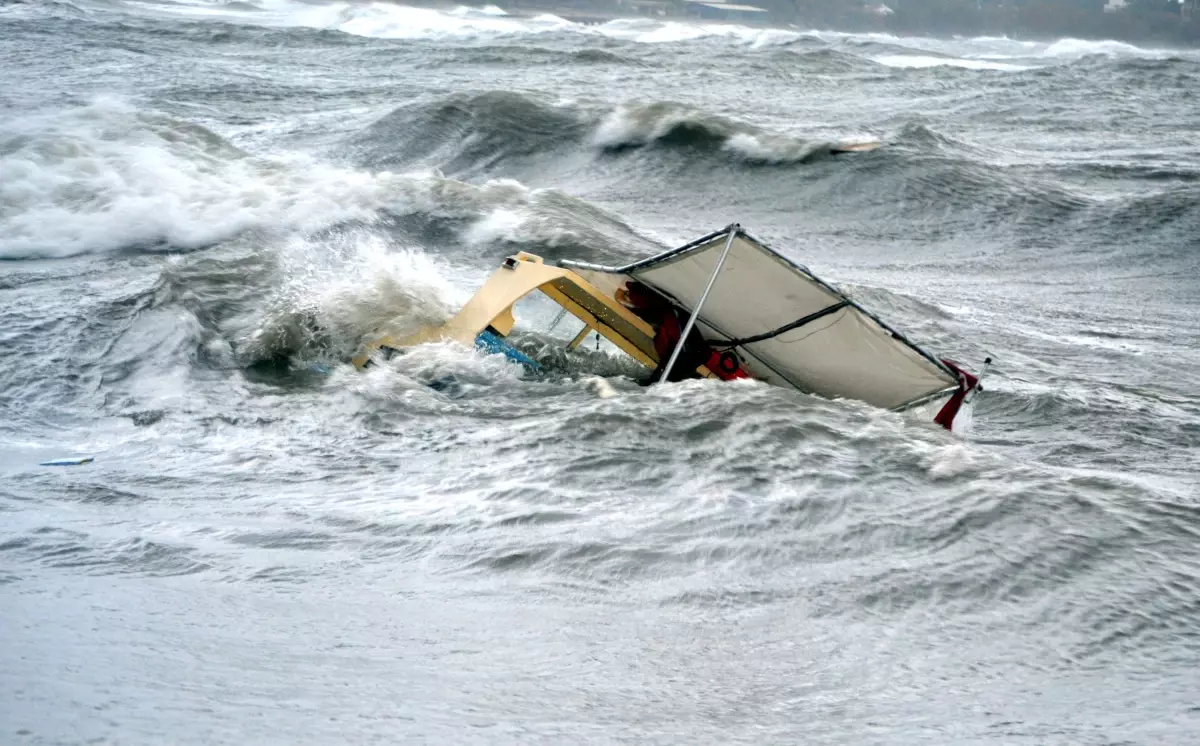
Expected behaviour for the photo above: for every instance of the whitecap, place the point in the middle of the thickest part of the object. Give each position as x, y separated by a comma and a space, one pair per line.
923, 61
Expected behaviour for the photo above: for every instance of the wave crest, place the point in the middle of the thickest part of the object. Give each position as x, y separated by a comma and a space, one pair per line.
107, 176
672, 124
474, 132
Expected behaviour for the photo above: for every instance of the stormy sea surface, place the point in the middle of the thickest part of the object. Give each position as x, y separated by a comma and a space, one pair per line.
205, 206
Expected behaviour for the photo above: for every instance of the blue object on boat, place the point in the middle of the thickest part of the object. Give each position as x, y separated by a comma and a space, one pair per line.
68, 461
489, 341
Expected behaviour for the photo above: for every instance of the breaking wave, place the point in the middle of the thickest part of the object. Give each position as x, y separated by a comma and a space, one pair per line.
379, 20
1079, 48
385, 20
110, 176
470, 132
672, 124
333, 291
461, 131
923, 61
649, 31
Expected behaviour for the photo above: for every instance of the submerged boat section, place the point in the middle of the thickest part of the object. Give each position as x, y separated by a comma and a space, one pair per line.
724, 306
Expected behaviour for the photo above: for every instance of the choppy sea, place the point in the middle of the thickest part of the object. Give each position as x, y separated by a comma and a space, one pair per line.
205, 205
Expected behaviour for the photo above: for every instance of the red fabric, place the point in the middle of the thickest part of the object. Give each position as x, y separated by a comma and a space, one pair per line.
654, 309
667, 336
640, 297
949, 410
720, 367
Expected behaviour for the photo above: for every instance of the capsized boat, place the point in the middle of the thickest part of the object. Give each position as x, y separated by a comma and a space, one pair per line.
742, 309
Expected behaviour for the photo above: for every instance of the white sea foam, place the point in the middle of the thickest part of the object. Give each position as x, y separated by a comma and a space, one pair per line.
1075, 48
105, 176
391, 20
335, 291
108, 176
394, 21
382, 19
921, 61
502, 224
650, 31
633, 125
772, 148
638, 125
986, 52
487, 10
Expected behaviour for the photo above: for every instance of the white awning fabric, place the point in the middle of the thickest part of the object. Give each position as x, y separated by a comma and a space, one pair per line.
792, 329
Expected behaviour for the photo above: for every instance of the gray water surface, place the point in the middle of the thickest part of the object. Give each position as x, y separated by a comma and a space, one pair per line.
205, 205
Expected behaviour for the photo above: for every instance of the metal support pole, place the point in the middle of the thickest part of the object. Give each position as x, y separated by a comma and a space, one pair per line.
687, 328
978, 381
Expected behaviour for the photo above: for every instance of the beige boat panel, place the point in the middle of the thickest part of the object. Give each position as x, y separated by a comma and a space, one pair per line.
606, 282
578, 339
608, 312
492, 306
492, 302
603, 315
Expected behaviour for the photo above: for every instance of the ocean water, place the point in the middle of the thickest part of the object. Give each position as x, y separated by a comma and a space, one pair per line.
205, 205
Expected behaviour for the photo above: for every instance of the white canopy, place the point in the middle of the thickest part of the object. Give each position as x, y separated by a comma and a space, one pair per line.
789, 327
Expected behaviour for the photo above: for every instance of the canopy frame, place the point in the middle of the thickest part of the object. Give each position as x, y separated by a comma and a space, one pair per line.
691, 322
735, 230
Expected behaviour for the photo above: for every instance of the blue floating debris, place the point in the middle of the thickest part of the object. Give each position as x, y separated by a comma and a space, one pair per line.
491, 342
319, 368
68, 461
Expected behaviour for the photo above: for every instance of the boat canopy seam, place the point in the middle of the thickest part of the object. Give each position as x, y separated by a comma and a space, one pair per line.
787, 327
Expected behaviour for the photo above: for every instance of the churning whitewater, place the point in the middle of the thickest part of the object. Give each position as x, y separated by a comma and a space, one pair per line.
205, 206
